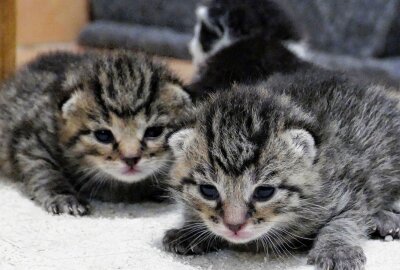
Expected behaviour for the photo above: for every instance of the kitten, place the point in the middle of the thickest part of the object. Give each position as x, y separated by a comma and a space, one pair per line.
246, 41
80, 126
240, 41
307, 157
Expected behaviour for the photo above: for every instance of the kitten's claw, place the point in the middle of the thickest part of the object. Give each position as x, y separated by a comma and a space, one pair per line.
387, 223
178, 241
338, 258
388, 238
53, 209
68, 204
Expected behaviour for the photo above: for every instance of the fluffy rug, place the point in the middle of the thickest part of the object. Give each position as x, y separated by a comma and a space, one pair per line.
118, 236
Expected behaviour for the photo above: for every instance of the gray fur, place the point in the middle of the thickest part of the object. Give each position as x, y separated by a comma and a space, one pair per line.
50, 110
330, 148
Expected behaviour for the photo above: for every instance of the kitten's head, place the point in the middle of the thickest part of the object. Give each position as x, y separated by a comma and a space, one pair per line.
118, 111
247, 168
221, 23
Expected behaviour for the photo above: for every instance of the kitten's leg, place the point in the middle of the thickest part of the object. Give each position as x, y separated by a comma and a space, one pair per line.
387, 223
43, 178
336, 247
191, 239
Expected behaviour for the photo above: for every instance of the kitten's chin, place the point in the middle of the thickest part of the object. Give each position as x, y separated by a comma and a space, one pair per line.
242, 237
136, 174
133, 177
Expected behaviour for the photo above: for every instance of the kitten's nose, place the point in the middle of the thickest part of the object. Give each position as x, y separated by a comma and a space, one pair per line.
235, 227
131, 161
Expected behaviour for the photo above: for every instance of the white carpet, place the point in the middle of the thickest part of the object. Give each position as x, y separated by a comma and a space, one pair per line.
120, 236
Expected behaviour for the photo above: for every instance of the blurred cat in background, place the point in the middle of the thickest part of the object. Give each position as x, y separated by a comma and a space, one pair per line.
242, 42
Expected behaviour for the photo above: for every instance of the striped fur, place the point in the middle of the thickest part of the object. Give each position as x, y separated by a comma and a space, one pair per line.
52, 110
328, 147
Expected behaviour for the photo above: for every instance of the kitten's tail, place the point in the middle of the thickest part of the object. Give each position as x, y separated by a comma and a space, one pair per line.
55, 62
220, 23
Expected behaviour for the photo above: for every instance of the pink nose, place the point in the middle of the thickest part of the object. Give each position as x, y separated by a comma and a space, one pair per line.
235, 227
131, 161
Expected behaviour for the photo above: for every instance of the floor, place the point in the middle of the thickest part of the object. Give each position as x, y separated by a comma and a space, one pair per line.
119, 236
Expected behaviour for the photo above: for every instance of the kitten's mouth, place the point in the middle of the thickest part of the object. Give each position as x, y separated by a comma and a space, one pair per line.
133, 174
239, 237
130, 171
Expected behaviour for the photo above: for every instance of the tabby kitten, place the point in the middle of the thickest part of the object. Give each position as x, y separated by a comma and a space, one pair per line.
240, 41
80, 126
306, 158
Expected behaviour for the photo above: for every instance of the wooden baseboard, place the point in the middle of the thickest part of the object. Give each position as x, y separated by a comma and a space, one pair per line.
46, 21
7, 37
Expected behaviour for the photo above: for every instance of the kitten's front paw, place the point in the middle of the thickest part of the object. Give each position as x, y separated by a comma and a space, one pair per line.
387, 223
338, 258
68, 204
183, 243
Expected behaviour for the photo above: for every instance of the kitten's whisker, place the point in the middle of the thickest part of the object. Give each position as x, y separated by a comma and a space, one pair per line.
269, 245
293, 234
193, 242
285, 244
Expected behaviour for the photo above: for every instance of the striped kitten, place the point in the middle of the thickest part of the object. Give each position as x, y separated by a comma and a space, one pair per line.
307, 157
75, 127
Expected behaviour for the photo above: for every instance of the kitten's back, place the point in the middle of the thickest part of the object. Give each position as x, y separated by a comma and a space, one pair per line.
359, 123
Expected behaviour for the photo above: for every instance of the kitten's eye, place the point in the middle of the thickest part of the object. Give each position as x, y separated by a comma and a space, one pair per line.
153, 132
104, 136
263, 193
209, 192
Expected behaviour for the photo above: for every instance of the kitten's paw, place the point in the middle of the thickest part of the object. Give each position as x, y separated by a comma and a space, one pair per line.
68, 204
338, 258
180, 242
387, 224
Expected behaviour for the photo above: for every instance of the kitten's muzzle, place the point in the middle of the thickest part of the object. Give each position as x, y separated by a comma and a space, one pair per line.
234, 217
235, 228
131, 161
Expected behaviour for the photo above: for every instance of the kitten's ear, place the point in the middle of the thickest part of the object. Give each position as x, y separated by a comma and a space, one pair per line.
175, 94
180, 140
75, 103
302, 142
